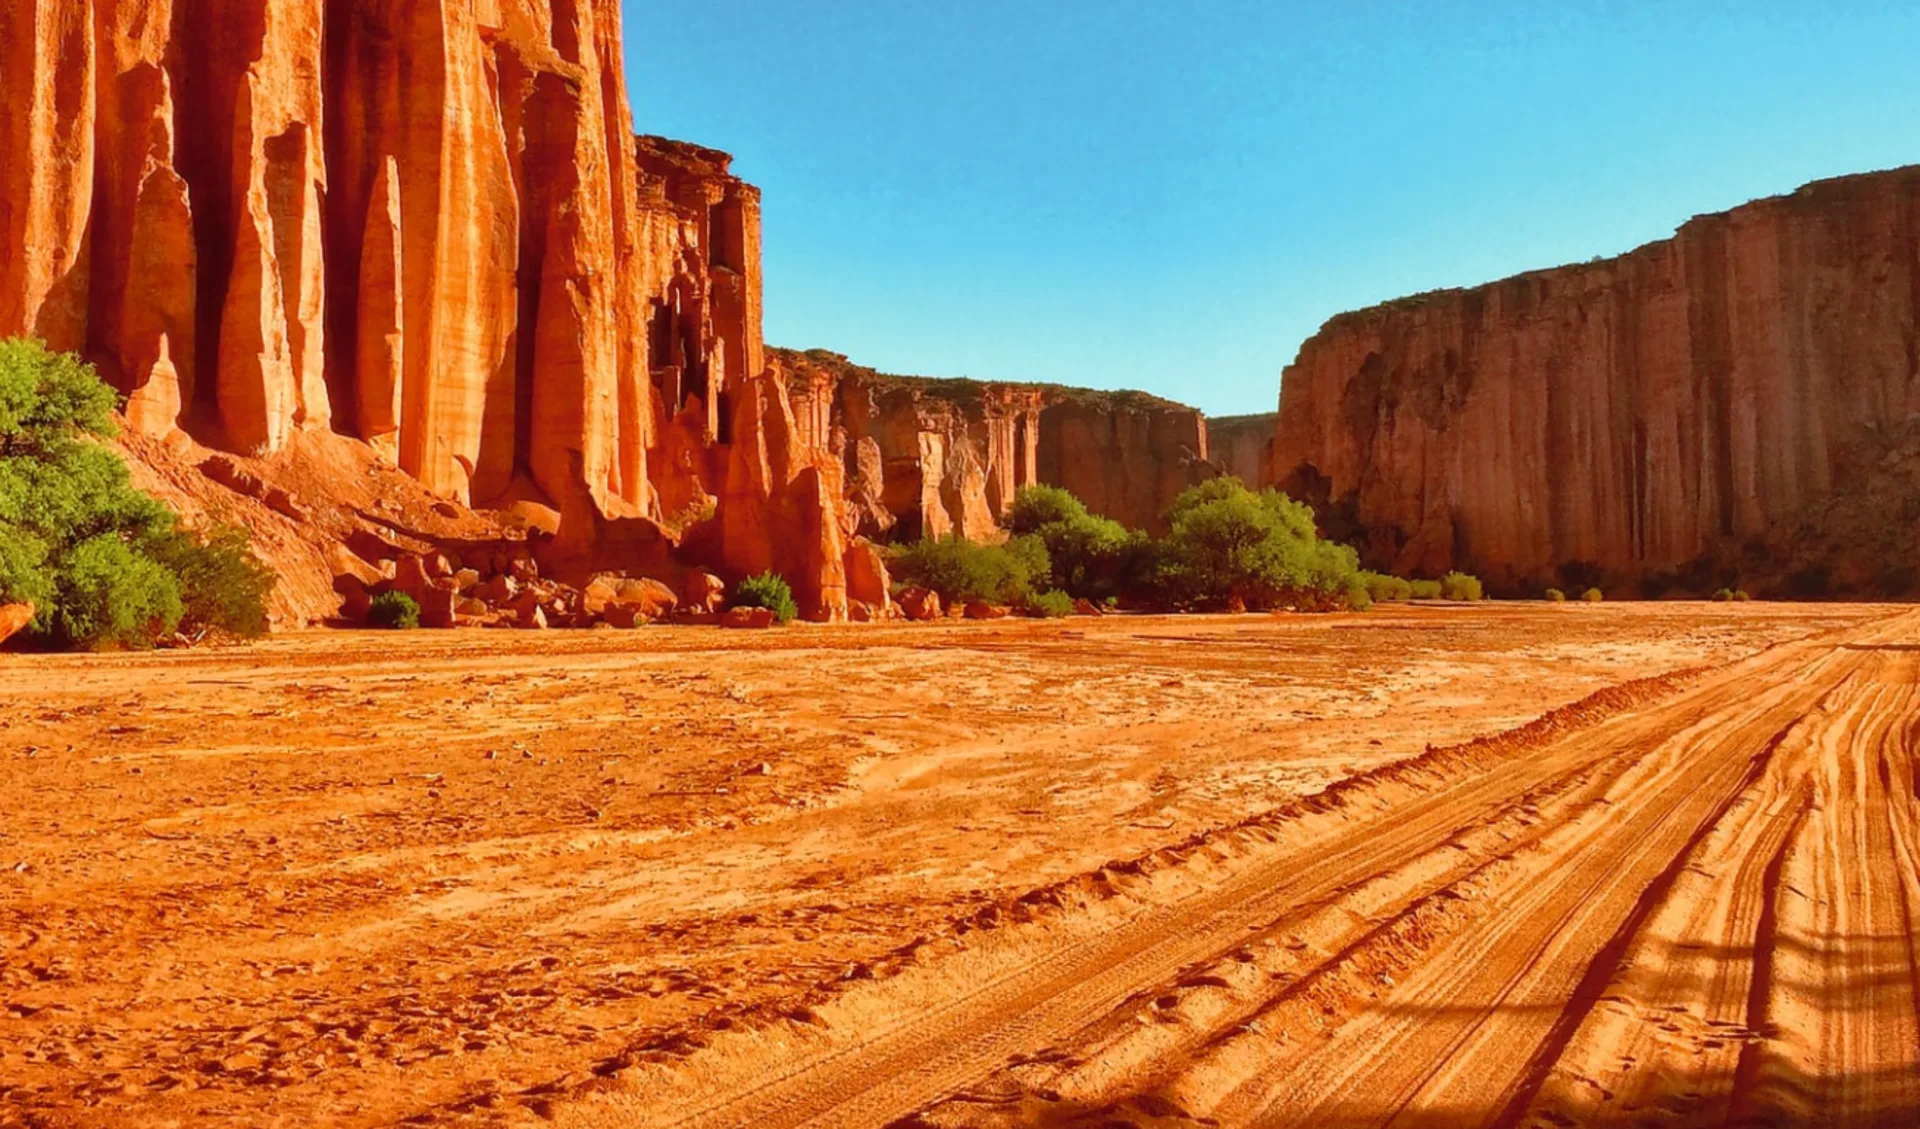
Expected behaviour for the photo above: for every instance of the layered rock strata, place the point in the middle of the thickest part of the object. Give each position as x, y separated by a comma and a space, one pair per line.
1622, 416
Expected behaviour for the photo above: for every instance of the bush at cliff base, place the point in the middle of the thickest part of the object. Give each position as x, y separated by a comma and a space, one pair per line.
770, 591
1088, 556
961, 570
1593, 595
103, 564
1229, 546
394, 611
1461, 586
1556, 596
1383, 589
1051, 604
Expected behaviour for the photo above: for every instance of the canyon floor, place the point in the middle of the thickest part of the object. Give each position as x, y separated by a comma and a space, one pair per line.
1502, 865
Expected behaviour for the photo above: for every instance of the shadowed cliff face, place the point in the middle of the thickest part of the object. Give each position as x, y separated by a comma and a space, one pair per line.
1243, 446
1625, 415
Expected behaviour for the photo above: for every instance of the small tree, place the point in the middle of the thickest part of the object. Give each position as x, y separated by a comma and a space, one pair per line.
1461, 586
1556, 596
1593, 595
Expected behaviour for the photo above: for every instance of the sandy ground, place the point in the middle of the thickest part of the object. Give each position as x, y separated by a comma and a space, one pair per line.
1128, 872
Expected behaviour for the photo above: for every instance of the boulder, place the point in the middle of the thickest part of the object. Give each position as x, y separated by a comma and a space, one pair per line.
410, 575
471, 606
437, 606
980, 609
625, 616
356, 596
703, 592
536, 620
497, 590
920, 604
14, 619
753, 618
653, 599
597, 595
466, 580
1086, 607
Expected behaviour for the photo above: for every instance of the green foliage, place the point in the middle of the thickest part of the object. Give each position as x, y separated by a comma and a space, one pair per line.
769, 590
104, 564
1358, 597
1461, 586
1556, 596
961, 570
1741, 597
224, 586
1425, 589
1386, 589
1051, 604
110, 594
395, 611
1723, 596
1593, 595
1087, 555
1229, 545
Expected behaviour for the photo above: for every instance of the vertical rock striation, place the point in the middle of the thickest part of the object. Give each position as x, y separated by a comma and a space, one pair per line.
1622, 415
1242, 446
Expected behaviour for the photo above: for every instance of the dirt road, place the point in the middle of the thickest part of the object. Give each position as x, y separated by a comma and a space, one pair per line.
1245, 871
1684, 905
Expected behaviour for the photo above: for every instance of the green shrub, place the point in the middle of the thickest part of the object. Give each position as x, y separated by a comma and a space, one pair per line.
1229, 545
1425, 589
1386, 589
1723, 596
1556, 596
224, 587
961, 570
770, 591
1358, 597
1051, 604
1087, 555
1593, 595
1461, 586
1741, 597
395, 611
104, 564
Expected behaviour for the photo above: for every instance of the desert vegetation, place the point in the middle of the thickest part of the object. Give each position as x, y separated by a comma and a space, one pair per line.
102, 564
1228, 547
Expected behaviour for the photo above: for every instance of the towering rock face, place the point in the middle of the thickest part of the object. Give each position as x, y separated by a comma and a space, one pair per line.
1127, 455
415, 223
929, 457
1622, 416
1243, 446
427, 225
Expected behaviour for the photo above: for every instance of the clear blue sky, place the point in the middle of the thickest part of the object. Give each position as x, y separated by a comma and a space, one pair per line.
1173, 195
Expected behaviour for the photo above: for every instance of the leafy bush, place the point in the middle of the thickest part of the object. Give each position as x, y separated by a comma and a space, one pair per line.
1556, 596
770, 591
959, 569
1087, 555
1461, 586
1358, 597
1229, 545
1723, 596
1741, 597
224, 587
1593, 595
1051, 604
104, 564
1386, 589
395, 611
1425, 589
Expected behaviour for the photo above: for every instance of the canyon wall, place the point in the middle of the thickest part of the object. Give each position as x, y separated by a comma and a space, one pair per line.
424, 225
1243, 446
931, 457
1623, 416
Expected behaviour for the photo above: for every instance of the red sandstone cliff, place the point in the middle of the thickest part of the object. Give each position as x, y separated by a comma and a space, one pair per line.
926, 456
1628, 414
424, 225
1243, 446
